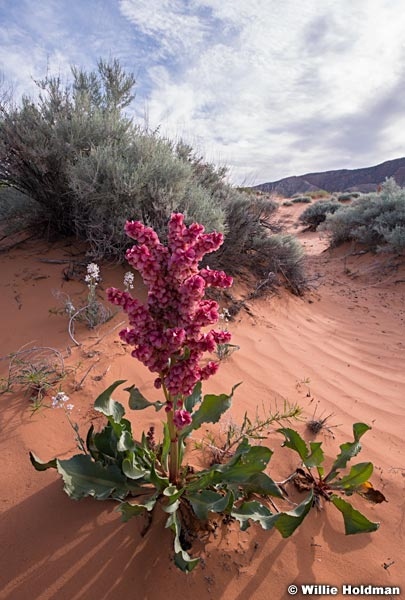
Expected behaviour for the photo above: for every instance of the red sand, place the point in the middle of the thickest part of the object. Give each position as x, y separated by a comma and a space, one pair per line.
339, 350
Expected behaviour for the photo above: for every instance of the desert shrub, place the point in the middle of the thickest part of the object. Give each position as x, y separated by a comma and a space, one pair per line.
78, 155
287, 203
349, 196
301, 199
250, 245
376, 220
315, 215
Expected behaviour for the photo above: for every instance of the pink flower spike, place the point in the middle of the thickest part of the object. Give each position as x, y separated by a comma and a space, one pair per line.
181, 418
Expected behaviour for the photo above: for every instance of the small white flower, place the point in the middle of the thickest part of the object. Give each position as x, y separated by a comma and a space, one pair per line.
69, 308
93, 273
129, 280
225, 315
59, 400
70, 407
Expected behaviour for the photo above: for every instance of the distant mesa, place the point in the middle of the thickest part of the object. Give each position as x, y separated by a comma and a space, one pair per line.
343, 180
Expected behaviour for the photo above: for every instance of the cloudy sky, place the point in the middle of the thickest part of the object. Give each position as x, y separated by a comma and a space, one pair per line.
270, 88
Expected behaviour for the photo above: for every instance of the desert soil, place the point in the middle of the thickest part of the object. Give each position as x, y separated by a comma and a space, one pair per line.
338, 352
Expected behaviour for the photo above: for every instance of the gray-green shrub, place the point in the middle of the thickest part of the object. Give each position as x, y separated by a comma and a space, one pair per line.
249, 245
77, 154
316, 214
301, 199
376, 220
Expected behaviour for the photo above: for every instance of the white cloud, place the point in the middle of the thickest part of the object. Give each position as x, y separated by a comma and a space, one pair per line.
271, 72
270, 88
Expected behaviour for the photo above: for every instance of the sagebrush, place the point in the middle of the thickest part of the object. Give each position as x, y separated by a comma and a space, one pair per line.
376, 220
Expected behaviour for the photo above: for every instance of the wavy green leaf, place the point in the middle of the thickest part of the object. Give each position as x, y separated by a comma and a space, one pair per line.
261, 483
208, 501
132, 468
159, 482
125, 442
310, 458
348, 450
128, 510
109, 407
181, 558
84, 477
358, 475
354, 521
316, 456
254, 511
137, 400
210, 411
294, 441
289, 521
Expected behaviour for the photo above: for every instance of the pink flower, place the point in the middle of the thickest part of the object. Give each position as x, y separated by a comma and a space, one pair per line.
181, 418
166, 331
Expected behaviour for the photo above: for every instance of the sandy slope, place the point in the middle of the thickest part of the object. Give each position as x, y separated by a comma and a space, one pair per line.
338, 350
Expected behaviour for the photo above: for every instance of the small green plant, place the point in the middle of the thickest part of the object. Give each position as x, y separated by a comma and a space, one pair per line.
329, 486
35, 370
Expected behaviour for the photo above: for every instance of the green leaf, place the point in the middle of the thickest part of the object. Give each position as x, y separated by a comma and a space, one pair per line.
182, 560
90, 445
289, 521
128, 510
125, 442
131, 467
250, 463
348, 450
315, 459
256, 512
194, 398
39, 465
109, 407
210, 411
359, 474
293, 440
208, 501
354, 521
137, 400
84, 477
245, 463
159, 482
173, 494
262, 484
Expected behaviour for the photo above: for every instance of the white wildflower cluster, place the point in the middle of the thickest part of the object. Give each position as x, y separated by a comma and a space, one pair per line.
93, 274
60, 400
129, 281
69, 308
225, 315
